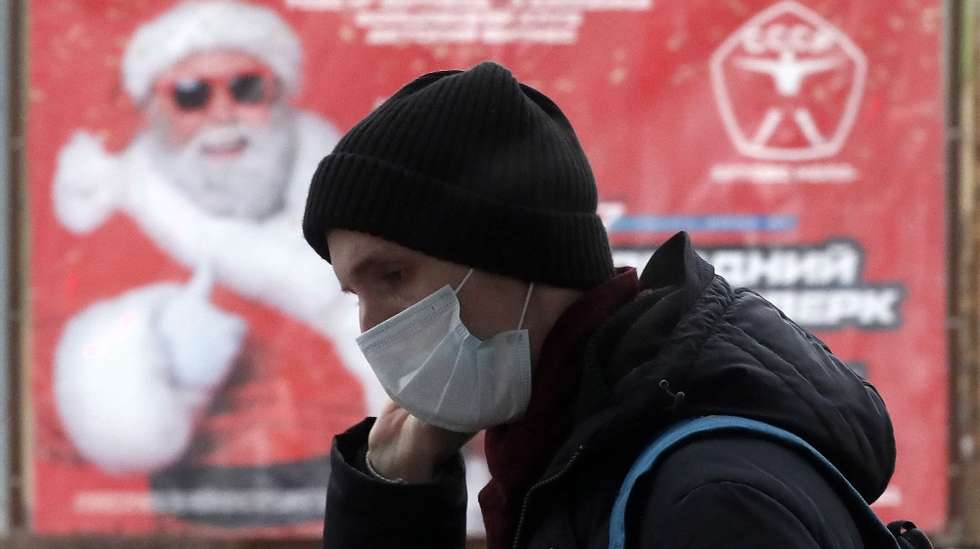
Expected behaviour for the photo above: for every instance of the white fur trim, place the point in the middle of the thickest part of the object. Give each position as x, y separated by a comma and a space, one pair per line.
195, 26
263, 260
112, 387
87, 183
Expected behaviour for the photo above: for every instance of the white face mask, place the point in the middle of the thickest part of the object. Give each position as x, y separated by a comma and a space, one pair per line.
435, 369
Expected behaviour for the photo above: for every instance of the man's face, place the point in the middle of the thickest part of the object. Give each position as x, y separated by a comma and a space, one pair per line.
388, 278
221, 129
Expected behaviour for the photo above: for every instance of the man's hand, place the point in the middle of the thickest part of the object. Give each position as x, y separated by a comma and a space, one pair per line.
202, 340
401, 446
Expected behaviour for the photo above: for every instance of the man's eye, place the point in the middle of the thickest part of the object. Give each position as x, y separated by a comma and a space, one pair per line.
392, 277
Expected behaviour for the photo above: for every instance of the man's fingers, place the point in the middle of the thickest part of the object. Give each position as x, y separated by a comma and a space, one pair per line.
201, 283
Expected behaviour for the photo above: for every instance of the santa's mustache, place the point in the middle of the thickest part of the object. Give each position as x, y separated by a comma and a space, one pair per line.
223, 147
223, 140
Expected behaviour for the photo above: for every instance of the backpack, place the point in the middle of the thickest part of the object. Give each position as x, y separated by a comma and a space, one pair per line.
904, 533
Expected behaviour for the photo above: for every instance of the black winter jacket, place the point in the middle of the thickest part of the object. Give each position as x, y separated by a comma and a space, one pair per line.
687, 346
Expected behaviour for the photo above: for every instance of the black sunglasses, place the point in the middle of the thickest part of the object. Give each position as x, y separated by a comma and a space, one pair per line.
195, 94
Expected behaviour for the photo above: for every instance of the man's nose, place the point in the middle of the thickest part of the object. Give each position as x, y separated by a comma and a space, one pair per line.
222, 108
364, 317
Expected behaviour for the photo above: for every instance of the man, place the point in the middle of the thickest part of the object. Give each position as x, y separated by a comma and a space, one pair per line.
194, 382
461, 212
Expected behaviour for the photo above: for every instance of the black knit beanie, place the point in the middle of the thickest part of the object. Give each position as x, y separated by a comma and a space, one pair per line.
471, 167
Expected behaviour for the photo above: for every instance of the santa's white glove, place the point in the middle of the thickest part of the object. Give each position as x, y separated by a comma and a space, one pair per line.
88, 183
202, 339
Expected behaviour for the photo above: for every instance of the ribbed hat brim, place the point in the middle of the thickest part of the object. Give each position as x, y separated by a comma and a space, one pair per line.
360, 193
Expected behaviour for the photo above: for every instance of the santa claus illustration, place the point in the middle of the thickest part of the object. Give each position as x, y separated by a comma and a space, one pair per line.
236, 376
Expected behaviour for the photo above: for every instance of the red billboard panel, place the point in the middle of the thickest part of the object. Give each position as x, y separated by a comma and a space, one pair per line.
192, 358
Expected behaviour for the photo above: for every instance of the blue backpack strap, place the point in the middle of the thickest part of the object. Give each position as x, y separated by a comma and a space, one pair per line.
682, 431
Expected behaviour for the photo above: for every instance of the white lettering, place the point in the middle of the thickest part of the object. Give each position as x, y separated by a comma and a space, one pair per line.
766, 173
397, 22
835, 264
245, 501
819, 287
779, 37
835, 308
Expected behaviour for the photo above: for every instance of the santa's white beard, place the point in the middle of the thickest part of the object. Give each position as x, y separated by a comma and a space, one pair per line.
249, 184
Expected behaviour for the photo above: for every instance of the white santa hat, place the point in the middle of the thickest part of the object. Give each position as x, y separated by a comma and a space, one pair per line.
208, 25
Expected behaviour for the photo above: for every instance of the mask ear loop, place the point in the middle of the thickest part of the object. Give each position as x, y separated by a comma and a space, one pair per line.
465, 278
527, 300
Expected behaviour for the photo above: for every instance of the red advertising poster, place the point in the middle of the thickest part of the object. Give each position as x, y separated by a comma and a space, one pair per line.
192, 358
